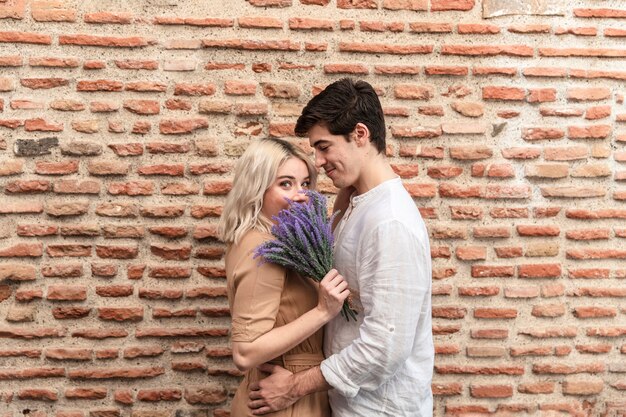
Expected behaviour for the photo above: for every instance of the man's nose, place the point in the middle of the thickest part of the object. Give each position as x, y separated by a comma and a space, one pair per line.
319, 161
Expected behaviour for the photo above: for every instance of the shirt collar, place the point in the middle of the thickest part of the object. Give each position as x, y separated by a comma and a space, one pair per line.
380, 188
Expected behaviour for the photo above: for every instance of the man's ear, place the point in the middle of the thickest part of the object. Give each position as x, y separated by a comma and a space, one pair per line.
361, 134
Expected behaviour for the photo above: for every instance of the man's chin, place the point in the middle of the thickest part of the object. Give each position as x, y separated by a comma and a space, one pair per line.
338, 184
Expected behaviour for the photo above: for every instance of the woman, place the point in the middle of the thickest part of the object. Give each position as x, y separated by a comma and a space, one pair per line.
277, 315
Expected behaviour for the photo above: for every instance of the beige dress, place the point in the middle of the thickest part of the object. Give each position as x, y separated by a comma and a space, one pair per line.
261, 298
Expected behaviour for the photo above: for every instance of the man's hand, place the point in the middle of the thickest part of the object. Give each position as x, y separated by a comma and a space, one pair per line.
272, 393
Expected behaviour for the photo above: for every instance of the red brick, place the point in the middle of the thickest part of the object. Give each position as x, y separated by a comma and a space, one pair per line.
539, 271
582, 52
540, 387
530, 230
479, 370
530, 29
589, 132
109, 17
542, 133
503, 93
485, 271
65, 270
17, 272
116, 252
136, 64
588, 234
22, 250
413, 92
564, 369
143, 86
488, 50
121, 314
131, 188
541, 95
382, 48
579, 31
490, 232
586, 386
405, 5
491, 391
471, 253
495, 313
11, 61
357, 4
114, 290
572, 192
95, 393
37, 394
56, 168
446, 5
67, 293
521, 292
544, 72
594, 312
478, 291
603, 12
182, 126
129, 372
477, 28
143, 107
34, 186
178, 104
154, 395
75, 354
25, 37
105, 41
597, 112
41, 125
99, 85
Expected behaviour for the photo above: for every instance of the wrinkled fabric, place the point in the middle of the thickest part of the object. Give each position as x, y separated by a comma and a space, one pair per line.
382, 365
263, 297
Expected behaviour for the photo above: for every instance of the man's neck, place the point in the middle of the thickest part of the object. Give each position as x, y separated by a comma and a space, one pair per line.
377, 170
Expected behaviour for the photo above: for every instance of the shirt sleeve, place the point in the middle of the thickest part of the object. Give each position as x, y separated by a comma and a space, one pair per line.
394, 279
256, 298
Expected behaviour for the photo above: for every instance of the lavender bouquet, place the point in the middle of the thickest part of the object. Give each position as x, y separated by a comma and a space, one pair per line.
304, 241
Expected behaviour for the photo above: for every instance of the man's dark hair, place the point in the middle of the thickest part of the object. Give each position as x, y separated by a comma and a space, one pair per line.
341, 106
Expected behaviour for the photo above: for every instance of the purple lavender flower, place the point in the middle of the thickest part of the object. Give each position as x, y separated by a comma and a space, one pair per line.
304, 241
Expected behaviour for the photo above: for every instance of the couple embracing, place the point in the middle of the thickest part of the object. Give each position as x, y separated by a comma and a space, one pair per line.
300, 357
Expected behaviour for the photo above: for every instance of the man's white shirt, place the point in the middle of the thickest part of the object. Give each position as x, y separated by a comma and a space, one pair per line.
383, 363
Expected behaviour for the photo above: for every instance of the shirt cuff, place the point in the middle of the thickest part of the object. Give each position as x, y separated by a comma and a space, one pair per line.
338, 381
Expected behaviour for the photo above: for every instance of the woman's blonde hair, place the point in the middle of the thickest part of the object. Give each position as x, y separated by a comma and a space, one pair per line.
255, 172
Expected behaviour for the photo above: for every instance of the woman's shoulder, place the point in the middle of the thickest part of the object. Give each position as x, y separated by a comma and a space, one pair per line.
251, 239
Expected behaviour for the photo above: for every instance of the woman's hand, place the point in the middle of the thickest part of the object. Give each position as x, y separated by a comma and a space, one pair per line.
332, 292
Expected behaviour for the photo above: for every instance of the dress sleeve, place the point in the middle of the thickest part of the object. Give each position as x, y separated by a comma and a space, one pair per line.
256, 297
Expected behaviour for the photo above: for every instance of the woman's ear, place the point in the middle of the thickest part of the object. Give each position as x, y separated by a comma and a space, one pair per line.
361, 134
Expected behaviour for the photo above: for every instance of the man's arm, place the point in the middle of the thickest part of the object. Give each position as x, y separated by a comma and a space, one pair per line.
283, 388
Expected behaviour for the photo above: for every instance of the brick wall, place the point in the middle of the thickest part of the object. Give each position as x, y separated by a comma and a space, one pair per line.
120, 123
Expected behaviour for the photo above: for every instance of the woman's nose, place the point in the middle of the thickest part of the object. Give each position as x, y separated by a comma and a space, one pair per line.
299, 195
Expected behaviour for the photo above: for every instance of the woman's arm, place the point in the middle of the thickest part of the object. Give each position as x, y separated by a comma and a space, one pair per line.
332, 292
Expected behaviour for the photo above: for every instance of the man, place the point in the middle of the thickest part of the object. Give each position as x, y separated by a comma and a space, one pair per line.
382, 364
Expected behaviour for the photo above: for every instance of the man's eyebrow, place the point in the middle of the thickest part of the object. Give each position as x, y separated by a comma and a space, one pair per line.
318, 142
